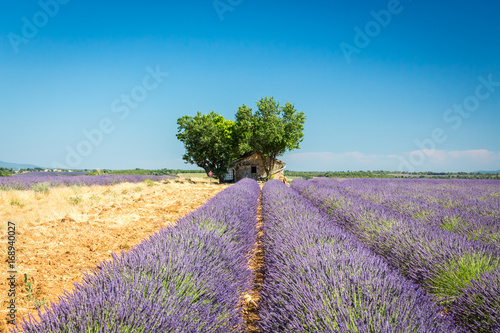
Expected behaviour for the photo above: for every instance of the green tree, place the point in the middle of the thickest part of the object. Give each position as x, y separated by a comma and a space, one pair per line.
243, 131
208, 142
270, 132
4, 172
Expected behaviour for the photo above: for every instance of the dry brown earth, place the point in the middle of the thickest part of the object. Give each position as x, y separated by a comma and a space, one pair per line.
252, 297
68, 231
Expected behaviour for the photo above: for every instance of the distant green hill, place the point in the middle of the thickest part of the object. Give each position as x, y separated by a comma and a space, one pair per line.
16, 165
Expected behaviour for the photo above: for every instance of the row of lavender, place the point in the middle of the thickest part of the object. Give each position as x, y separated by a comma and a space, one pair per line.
438, 203
27, 182
462, 275
187, 278
321, 279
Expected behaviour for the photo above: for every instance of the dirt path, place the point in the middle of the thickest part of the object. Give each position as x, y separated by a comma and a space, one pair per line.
58, 239
252, 297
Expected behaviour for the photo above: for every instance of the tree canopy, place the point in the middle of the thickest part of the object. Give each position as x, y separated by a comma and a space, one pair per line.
4, 172
270, 131
208, 142
213, 142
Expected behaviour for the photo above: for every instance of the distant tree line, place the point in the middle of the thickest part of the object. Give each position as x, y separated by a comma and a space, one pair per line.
338, 174
391, 174
143, 172
31, 170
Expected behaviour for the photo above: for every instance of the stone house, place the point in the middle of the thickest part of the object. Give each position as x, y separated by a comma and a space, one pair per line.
251, 166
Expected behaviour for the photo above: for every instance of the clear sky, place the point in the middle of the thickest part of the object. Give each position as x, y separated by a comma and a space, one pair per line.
408, 85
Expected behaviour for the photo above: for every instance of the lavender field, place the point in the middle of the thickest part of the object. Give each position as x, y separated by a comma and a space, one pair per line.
187, 278
443, 235
27, 181
329, 280
356, 255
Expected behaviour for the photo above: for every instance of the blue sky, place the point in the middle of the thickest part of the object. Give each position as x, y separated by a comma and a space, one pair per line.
393, 85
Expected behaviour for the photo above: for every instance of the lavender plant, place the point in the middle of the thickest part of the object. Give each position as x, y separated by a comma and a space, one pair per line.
478, 303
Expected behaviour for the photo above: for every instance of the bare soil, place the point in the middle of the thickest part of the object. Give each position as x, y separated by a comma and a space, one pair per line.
256, 264
67, 232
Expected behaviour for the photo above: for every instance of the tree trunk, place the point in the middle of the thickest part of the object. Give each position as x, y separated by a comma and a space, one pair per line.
205, 167
272, 162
